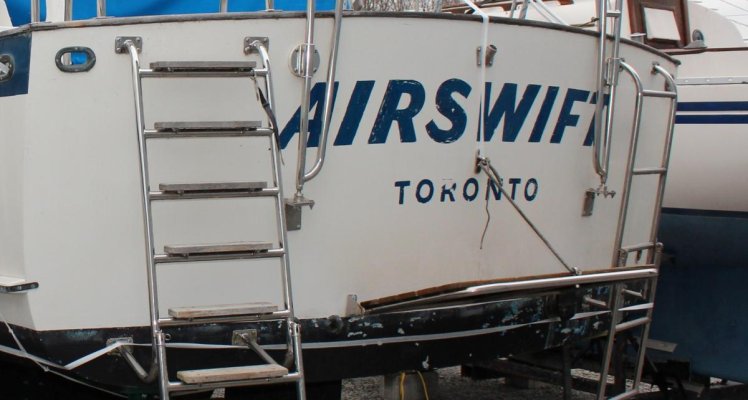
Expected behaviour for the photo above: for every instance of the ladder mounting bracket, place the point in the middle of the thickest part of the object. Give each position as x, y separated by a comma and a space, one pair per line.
296, 61
119, 43
244, 337
293, 211
119, 350
251, 43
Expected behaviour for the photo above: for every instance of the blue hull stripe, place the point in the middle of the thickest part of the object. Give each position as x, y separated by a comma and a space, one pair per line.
705, 213
713, 106
720, 119
698, 108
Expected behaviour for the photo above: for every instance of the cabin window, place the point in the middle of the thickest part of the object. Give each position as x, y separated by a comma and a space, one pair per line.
661, 24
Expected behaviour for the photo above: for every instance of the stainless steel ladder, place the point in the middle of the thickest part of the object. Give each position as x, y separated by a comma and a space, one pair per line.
251, 375
619, 292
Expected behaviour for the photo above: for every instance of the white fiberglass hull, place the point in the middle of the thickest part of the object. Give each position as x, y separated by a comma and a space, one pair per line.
399, 206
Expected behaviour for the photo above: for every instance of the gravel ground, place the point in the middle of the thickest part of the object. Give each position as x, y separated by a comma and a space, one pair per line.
452, 386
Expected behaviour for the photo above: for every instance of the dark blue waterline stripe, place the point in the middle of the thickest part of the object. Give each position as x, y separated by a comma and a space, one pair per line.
712, 119
713, 106
705, 213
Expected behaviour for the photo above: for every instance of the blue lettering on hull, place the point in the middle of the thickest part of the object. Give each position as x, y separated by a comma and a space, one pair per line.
403, 100
427, 190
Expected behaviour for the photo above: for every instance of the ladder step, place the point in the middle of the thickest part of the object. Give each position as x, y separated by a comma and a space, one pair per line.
193, 129
631, 324
223, 310
203, 66
625, 395
236, 247
638, 247
217, 256
659, 93
267, 371
178, 386
649, 171
204, 129
232, 319
223, 194
180, 126
212, 187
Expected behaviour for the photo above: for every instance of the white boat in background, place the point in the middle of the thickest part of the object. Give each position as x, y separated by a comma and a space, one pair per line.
706, 205
436, 236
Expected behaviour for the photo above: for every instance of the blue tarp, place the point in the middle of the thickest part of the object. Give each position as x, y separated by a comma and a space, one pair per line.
84, 9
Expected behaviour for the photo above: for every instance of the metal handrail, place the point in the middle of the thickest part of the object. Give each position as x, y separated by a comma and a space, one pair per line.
35, 11
68, 10
100, 9
302, 176
329, 94
306, 73
601, 166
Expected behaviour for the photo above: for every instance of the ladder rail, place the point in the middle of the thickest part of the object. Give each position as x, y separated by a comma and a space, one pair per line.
671, 87
630, 161
615, 315
158, 340
644, 323
631, 171
642, 351
293, 336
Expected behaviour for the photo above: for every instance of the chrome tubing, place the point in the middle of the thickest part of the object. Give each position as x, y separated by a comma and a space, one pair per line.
35, 11
614, 300
521, 285
266, 71
641, 354
149, 376
307, 71
280, 217
100, 8
295, 331
601, 166
512, 8
329, 94
68, 10
223, 6
671, 87
631, 159
156, 334
613, 70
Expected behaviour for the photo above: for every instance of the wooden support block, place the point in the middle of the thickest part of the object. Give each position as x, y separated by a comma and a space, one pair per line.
249, 372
